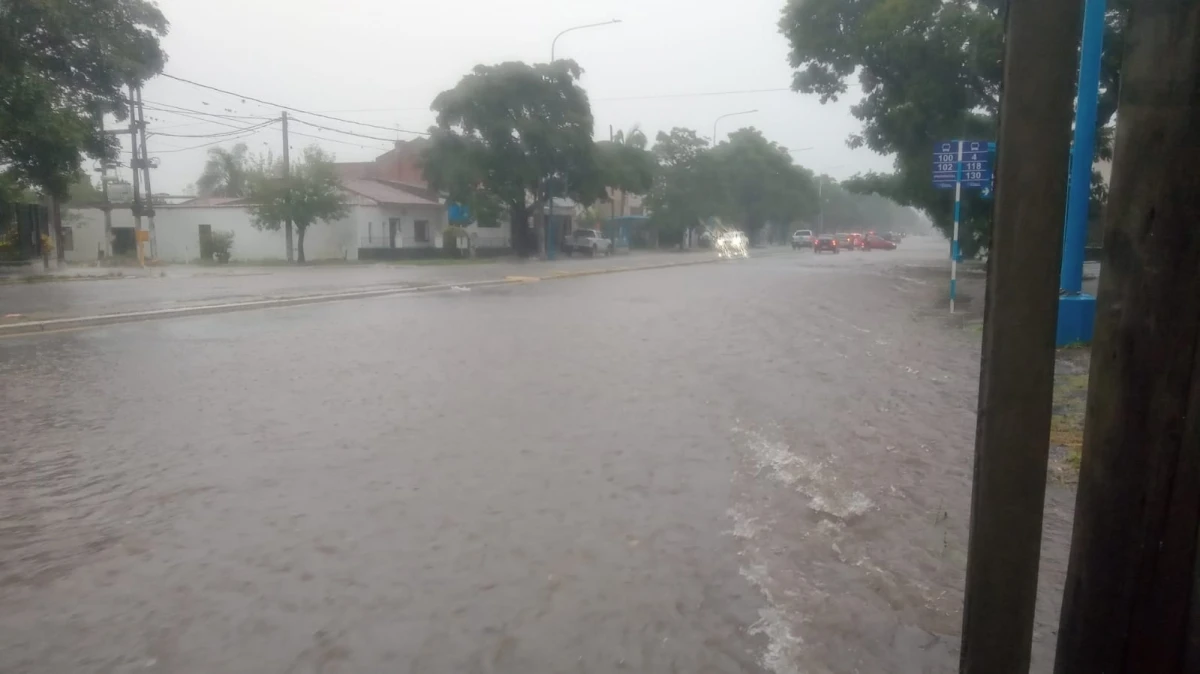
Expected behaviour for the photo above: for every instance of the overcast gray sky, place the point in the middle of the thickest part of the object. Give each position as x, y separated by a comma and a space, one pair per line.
383, 62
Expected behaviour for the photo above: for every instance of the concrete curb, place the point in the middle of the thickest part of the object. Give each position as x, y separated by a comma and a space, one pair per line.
56, 324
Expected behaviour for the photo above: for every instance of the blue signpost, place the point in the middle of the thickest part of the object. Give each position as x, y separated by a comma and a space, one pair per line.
958, 164
1077, 309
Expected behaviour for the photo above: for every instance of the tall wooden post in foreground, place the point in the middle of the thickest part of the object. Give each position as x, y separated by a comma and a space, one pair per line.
1132, 599
1017, 373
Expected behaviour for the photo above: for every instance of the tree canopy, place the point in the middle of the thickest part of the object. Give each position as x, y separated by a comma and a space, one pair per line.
761, 184
625, 167
747, 179
311, 193
509, 135
226, 172
62, 67
929, 70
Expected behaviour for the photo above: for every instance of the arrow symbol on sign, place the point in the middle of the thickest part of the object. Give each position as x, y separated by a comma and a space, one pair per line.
985, 192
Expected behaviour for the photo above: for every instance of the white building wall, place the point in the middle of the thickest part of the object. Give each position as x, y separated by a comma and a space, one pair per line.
373, 227
177, 234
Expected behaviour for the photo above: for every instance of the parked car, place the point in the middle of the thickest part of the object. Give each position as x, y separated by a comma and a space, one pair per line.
803, 238
877, 243
894, 237
587, 241
827, 242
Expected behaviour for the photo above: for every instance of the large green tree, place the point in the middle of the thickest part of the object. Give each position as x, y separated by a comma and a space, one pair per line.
626, 166
845, 211
761, 184
686, 190
311, 193
929, 70
226, 172
63, 64
510, 135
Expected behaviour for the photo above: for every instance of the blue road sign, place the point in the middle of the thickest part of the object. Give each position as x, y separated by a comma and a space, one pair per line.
969, 165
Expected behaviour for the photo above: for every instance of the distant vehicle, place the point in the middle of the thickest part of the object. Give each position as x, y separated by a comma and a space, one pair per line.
873, 242
849, 240
827, 242
894, 237
803, 238
732, 244
587, 241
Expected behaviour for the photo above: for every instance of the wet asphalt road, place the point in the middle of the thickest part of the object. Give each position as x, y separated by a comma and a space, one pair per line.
758, 465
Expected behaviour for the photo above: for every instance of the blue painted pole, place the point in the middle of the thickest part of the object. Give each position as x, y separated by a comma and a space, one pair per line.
957, 217
1080, 184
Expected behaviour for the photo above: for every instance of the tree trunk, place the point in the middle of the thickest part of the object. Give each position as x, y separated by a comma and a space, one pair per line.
519, 224
56, 222
1131, 603
300, 230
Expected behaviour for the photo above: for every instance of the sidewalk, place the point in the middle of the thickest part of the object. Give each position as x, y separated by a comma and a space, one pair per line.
170, 289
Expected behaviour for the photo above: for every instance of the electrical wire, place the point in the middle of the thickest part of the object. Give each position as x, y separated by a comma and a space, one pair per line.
700, 94
201, 112
333, 140
218, 134
285, 107
215, 142
209, 121
691, 95
323, 127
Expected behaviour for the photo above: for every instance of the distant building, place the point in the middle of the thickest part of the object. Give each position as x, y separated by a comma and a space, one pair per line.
393, 214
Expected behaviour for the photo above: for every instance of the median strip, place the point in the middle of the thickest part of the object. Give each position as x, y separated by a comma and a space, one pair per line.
56, 324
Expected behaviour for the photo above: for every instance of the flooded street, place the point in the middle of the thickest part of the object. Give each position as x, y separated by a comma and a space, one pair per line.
751, 466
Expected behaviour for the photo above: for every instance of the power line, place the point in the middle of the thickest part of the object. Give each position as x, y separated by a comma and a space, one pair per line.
286, 107
692, 95
331, 140
700, 94
215, 142
207, 121
202, 112
216, 134
335, 130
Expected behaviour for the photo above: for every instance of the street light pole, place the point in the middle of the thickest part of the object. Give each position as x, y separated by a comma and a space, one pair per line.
728, 114
549, 249
573, 28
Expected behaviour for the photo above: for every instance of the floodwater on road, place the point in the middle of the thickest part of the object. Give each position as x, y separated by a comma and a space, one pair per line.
752, 466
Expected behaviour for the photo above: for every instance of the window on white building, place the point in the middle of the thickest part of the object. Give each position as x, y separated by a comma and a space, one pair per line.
421, 230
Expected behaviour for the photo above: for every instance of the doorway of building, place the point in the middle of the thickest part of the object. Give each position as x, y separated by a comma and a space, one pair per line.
393, 227
124, 241
206, 242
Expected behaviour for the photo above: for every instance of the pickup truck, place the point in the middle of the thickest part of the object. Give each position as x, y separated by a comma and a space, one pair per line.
587, 241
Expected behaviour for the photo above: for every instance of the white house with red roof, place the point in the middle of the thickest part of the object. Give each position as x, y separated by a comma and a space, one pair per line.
393, 215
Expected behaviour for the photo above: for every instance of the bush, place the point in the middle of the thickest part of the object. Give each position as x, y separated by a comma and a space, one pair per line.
222, 244
450, 238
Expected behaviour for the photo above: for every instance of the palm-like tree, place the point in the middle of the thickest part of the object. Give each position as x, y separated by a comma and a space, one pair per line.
635, 138
225, 173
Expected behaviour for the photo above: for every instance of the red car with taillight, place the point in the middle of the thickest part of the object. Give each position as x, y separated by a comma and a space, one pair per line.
873, 242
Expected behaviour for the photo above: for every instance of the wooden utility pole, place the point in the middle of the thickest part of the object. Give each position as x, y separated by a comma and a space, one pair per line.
1132, 597
287, 186
1021, 307
144, 162
133, 145
107, 203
